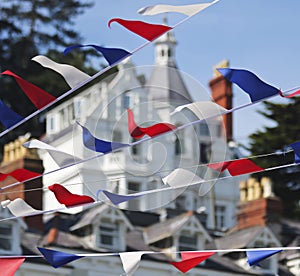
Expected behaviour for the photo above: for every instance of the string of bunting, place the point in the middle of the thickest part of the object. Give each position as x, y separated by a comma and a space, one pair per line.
246, 80
131, 260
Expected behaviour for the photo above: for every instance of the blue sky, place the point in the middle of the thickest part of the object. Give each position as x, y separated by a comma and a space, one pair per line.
259, 35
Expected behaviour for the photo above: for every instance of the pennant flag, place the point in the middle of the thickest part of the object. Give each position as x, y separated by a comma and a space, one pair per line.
65, 197
290, 95
8, 117
143, 29
130, 261
203, 110
112, 55
117, 199
37, 96
9, 266
255, 256
188, 10
236, 167
138, 132
250, 83
61, 158
98, 145
19, 208
58, 258
71, 74
296, 147
190, 260
181, 178
20, 174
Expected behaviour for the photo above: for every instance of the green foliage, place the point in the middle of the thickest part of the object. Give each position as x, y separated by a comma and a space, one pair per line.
29, 28
285, 131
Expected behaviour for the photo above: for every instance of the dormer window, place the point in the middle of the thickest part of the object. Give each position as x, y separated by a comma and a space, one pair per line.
6, 237
109, 235
188, 242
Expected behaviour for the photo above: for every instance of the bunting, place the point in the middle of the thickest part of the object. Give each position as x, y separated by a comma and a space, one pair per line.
250, 83
131, 261
152, 131
37, 96
190, 260
9, 266
236, 167
181, 178
19, 208
8, 117
71, 74
117, 199
98, 145
112, 55
255, 256
296, 147
20, 174
146, 30
188, 10
61, 158
58, 258
65, 197
203, 110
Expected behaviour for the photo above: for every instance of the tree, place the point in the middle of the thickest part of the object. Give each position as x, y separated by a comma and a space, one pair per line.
28, 28
271, 139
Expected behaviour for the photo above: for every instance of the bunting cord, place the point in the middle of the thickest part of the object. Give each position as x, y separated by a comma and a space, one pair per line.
95, 76
162, 171
98, 202
172, 252
129, 145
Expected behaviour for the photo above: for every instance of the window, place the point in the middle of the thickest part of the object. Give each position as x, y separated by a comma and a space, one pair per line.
6, 232
179, 142
77, 107
205, 152
188, 242
109, 235
133, 187
126, 100
220, 212
204, 130
117, 136
135, 149
51, 124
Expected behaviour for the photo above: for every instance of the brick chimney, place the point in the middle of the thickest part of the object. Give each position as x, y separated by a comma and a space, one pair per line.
17, 157
221, 91
258, 205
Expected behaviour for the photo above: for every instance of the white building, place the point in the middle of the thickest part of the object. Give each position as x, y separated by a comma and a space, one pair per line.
102, 109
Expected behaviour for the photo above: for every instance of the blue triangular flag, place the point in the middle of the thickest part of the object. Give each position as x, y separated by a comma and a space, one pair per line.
112, 55
255, 256
98, 145
8, 117
117, 199
250, 83
296, 147
58, 258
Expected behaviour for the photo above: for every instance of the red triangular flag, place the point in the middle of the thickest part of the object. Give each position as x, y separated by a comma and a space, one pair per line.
20, 175
37, 96
65, 197
9, 266
190, 260
236, 167
143, 29
138, 132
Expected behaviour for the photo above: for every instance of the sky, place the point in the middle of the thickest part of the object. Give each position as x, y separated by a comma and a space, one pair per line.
258, 35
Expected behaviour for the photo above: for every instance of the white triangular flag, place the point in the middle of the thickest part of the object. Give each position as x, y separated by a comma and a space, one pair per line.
61, 158
185, 9
181, 178
18, 207
203, 110
71, 74
131, 261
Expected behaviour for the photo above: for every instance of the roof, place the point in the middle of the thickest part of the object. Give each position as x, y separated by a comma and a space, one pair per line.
166, 84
